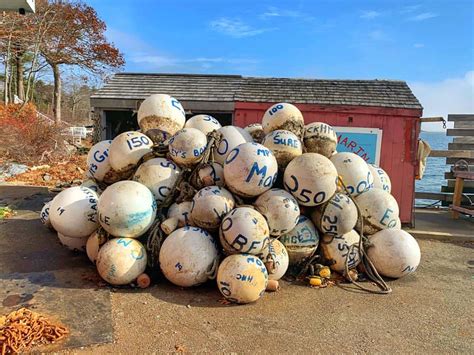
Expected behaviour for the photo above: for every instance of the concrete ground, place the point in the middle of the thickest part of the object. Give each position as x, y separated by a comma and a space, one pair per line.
430, 311
439, 224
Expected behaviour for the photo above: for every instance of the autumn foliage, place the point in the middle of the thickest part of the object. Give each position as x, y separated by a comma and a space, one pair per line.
28, 139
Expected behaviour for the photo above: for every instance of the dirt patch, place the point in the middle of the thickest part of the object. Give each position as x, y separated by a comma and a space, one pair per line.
67, 171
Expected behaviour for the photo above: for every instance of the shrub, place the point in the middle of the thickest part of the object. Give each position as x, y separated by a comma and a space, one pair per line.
27, 139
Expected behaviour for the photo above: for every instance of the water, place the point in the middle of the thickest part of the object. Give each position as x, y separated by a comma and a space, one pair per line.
433, 178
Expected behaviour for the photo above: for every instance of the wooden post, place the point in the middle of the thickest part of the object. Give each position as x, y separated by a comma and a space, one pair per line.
458, 187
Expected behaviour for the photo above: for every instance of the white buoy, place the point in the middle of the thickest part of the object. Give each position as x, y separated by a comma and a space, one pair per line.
121, 260
188, 257
381, 178
280, 209
336, 217
394, 252
182, 211
91, 184
320, 138
94, 242
209, 174
210, 205
354, 172
73, 244
311, 179
242, 278
284, 145
276, 258
256, 131
73, 212
159, 175
44, 215
232, 136
250, 169
244, 230
283, 116
187, 146
163, 112
336, 249
204, 123
127, 149
98, 164
127, 209
379, 210
302, 241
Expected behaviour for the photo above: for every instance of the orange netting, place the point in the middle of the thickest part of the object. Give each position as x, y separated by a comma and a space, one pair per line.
23, 329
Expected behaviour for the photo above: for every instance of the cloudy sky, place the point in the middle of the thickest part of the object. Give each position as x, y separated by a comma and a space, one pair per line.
429, 44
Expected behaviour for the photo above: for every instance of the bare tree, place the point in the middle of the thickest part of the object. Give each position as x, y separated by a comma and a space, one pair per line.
83, 44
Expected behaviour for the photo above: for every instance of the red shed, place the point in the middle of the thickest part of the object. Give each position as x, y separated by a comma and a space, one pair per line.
385, 105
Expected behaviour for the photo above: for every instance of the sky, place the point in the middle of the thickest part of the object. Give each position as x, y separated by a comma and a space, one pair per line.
429, 44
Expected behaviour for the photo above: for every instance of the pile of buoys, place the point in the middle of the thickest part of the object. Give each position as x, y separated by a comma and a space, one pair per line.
198, 201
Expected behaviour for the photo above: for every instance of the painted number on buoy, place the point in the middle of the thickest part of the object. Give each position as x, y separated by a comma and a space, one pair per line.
136, 142
275, 109
304, 195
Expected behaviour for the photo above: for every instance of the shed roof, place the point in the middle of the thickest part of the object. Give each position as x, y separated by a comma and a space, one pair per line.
229, 88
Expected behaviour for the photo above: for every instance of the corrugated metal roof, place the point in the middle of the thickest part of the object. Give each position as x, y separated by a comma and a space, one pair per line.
228, 88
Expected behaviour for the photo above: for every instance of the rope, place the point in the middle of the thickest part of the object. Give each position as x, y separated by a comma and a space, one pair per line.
363, 244
23, 329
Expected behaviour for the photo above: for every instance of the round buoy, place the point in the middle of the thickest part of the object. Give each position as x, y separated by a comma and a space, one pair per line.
210, 205
354, 172
244, 230
73, 212
283, 116
242, 278
161, 112
320, 138
127, 209
44, 215
204, 123
121, 260
73, 244
336, 250
398, 225
187, 146
188, 256
311, 179
394, 253
209, 174
256, 131
284, 145
302, 241
232, 136
379, 210
182, 211
94, 242
276, 258
280, 209
98, 164
337, 216
250, 169
159, 175
127, 149
381, 178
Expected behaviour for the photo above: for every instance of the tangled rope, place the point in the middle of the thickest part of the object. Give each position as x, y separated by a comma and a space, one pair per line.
23, 329
181, 191
361, 248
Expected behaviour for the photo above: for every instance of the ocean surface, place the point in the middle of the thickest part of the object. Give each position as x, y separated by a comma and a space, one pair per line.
433, 178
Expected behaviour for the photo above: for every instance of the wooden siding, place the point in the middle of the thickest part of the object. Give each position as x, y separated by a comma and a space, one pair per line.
401, 128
